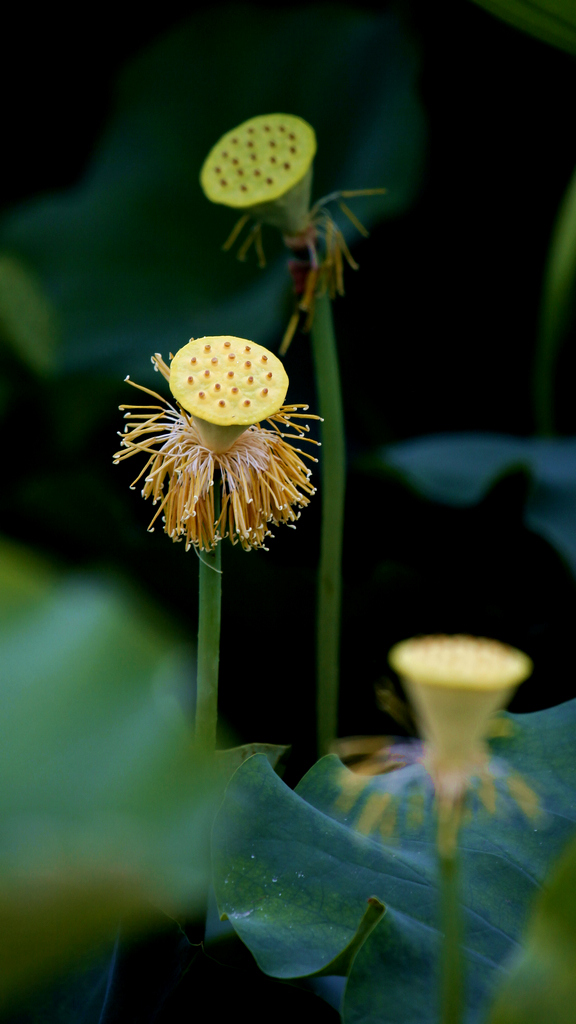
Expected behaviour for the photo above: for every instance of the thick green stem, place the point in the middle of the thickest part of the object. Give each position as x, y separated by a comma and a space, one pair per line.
451, 922
210, 591
333, 459
555, 310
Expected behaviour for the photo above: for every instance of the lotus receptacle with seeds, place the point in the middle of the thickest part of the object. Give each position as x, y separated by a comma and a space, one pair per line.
224, 387
455, 684
264, 168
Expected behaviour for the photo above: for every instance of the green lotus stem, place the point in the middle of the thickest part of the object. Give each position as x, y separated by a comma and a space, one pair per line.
451, 922
333, 488
210, 593
555, 310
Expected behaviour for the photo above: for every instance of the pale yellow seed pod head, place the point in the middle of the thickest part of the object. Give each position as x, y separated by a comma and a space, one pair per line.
455, 684
264, 168
227, 384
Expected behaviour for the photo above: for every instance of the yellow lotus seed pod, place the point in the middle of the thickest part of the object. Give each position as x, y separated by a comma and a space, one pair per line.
463, 662
228, 383
455, 683
264, 168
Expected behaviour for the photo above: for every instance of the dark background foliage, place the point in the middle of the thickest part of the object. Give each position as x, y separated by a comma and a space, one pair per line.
446, 300
447, 296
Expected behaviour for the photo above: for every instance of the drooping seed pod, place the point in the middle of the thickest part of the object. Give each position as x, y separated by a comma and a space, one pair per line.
263, 167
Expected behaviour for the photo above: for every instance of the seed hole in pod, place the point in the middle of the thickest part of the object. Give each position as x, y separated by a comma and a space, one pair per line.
253, 156
235, 161
207, 348
264, 391
250, 380
230, 373
269, 181
251, 131
224, 154
218, 170
272, 143
231, 356
269, 375
201, 394
286, 167
234, 391
214, 359
266, 128
217, 387
264, 359
223, 181
190, 380
282, 128
273, 160
257, 173
292, 149
250, 145
193, 360
243, 188
221, 402
247, 349
240, 171
227, 344
246, 401
247, 363
291, 135
206, 373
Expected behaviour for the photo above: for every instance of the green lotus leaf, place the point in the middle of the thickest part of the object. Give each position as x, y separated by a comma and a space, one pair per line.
460, 469
293, 870
542, 982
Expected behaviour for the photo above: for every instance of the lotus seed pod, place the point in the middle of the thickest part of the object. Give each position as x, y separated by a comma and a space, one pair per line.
264, 168
227, 384
455, 683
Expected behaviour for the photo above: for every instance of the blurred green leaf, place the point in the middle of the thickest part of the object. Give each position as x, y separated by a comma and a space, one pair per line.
28, 322
552, 21
105, 809
542, 983
132, 256
557, 305
293, 870
229, 760
24, 579
460, 469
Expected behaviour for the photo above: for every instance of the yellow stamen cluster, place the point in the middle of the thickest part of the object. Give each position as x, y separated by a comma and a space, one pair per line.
263, 479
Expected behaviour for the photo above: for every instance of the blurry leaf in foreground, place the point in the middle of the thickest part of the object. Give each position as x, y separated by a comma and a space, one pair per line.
105, 809
460, 469
293, 870
133, 257
553, 21
28, 322
542, 984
